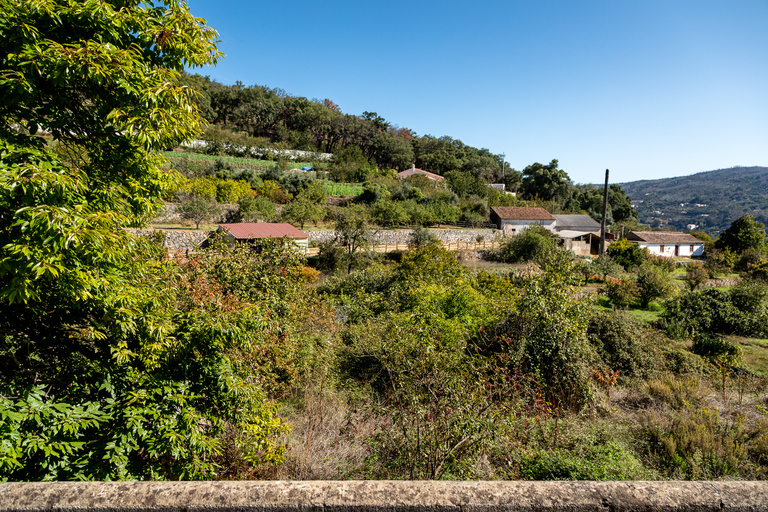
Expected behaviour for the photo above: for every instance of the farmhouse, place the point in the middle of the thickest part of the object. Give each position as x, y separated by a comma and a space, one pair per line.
513, 219
244, 231
413, 170
668, 244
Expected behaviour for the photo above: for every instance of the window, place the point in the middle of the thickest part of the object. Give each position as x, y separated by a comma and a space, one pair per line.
661, 249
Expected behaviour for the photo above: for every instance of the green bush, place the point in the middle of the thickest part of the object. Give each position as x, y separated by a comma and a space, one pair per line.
626, 253
653, 282
621, 292
707, 311
716, 348
532, 244
624, 344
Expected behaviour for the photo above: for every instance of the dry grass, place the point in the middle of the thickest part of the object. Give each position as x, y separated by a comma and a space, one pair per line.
328, 439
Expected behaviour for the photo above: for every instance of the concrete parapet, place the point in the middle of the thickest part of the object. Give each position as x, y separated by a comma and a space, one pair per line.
384, 496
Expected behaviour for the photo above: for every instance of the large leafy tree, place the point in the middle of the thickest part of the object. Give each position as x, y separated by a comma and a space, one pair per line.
744, 233
107, 370
548, 183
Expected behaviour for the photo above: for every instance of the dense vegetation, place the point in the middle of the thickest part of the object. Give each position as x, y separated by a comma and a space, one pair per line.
252, 362
710, 200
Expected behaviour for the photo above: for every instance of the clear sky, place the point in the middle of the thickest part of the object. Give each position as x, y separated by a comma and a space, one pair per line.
648, 89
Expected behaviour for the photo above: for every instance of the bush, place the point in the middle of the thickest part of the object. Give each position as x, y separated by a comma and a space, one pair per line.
716, 348
621, 292
708, 311
719, 262
698, 444
653, 282
623, 343
695, 275
533, 244
626, 253
664, 263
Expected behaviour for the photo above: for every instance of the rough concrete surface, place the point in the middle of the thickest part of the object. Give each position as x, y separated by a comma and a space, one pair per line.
384, 496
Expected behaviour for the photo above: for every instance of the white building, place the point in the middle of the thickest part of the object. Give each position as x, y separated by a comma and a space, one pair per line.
668, 244
513, 219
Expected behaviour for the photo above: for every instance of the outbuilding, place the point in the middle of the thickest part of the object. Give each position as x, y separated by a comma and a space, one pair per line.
667, 243
245, 231
513, 219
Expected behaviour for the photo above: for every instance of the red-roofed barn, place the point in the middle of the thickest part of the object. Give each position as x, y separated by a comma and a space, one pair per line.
244, 231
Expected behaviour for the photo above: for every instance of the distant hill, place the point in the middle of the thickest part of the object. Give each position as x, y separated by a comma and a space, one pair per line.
711, 200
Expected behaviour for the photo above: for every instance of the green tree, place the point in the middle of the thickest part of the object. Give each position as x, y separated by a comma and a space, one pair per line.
198, 209
534, 243
548, 183
625, 253
744, 233
653, 282
107, 371
302, 210
353, 233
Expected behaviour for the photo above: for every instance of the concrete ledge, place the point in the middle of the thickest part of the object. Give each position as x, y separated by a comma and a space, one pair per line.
383, 496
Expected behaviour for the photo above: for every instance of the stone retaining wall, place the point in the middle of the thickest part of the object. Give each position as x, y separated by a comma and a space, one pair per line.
384, 496
401, 236
181, 240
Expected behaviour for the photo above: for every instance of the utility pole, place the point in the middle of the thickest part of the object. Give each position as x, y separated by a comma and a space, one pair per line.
605, 214
503, 156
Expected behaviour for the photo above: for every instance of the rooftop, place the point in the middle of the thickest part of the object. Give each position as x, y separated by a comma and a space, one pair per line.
521, 213
246, 230
662, 237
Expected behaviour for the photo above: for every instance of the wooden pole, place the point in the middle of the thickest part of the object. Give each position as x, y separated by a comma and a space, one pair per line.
605, 214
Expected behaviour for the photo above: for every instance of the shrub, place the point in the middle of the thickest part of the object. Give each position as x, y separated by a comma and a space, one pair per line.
719, 262
532, 244
546, 337
626, 253
708, 311
749, 258
653, 282
664, 263
420, 237
604, 461
623, 343
698, 444
695, 275
716, 348
621, 292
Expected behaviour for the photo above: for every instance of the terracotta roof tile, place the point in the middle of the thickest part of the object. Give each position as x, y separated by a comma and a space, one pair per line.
662, 237
246, 230
522, 213
413, 170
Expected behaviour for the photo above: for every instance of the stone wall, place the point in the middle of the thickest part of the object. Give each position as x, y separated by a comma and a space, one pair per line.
384, 496
401, 236
182, 240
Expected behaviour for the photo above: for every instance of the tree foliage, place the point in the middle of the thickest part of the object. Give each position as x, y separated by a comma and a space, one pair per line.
744, 233
115, 364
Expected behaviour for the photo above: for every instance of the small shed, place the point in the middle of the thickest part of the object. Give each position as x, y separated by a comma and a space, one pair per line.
245, 231
669, 244
513, 219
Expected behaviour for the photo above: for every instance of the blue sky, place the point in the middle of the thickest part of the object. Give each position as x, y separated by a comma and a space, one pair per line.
648, 89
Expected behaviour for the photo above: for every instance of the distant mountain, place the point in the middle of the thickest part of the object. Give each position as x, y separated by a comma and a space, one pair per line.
710, 200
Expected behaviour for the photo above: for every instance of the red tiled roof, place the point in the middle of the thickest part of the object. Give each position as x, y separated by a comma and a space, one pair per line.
521, 213
246, 230
662, 237
413, 170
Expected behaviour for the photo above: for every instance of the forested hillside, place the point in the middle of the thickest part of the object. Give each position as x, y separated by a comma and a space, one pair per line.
276, 119
710, 200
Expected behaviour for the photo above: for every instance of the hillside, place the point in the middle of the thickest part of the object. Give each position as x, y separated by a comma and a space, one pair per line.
710, 200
